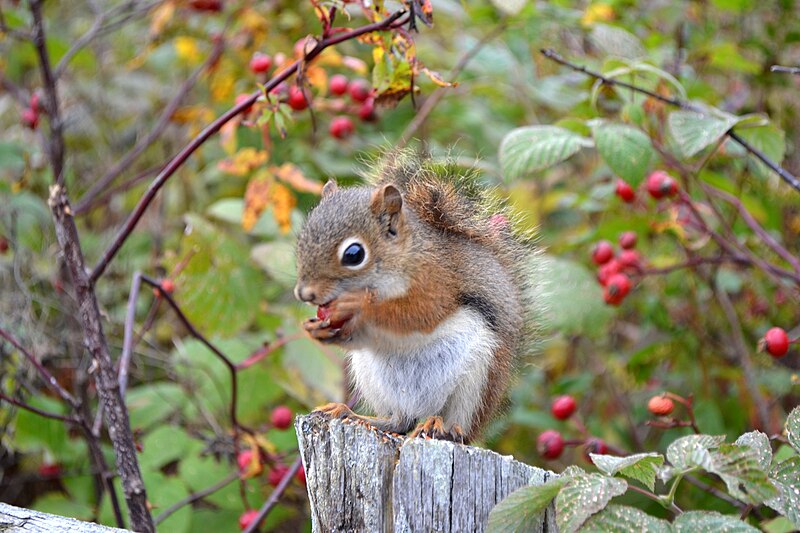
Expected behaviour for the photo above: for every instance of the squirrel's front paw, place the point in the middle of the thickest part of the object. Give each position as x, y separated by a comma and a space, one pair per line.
321, 330
433, 428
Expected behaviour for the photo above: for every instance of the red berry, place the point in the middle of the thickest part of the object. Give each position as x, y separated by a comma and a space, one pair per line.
660, 405
3, 245
34, 102
625, 191
297, 98
50, 470
563, 407
247, 518
248, 466
338, 84
341, 127
367, 111
602, 253
595, 445
277, 473
260, 63
301, 475
206, 5
618, 286
30, 118
359, 90
776, 342
605, 272
627, 240
282, 417
240, 99
550, 444
630, 259
167, 284
661, 185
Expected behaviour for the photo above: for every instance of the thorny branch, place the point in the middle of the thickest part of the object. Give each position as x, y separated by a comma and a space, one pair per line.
389, 22
785, 175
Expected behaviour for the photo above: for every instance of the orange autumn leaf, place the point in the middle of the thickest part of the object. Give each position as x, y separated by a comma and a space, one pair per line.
161, 16
283, 201
294, 177
256, 199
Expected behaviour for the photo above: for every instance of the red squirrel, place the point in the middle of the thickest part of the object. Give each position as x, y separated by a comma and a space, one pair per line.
425, 282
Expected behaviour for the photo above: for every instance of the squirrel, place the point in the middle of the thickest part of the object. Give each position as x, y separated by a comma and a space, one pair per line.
425, 282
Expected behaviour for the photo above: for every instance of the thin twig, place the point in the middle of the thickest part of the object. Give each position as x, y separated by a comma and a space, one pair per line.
788, 70
49, 379
275, 496
161, 124
785, 175
127, 342
177, 161
195, 496
40, 412
105, 196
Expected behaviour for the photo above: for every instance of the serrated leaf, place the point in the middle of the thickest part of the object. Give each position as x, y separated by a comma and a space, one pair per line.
694, 131
793, 428
786, 476
526, 150
759, 443
692, 450
641, 467
739, 468
625, 149
622, 519
584, 496
710, 522
615, 41
517, 512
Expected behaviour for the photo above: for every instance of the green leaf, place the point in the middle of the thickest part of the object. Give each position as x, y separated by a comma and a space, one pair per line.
710, 522
622, 519
277, 259
786, 476
583, 496
163, 445
216, 289
759, 443
692, 450
150, 404
693, 131
793, 428
526, 150
59, 504
518, 511
571, 298
11, 156
625, 149
769, 140
641, 467
615, 41
738, 466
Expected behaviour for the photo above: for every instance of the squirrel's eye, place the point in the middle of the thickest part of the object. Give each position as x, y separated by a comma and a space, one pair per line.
353, 255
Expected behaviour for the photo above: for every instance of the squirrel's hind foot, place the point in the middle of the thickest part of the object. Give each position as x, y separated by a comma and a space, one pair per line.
433, 428
341, 412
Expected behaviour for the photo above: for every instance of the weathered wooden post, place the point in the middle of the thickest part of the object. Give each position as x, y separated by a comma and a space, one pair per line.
17, 520
360, 480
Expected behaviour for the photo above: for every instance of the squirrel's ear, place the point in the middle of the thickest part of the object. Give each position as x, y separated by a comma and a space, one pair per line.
387, 200
387, 204
329, 188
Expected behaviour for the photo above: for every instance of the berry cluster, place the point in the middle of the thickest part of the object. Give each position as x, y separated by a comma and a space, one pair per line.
251, 461
550, 444
658, 184
349, 98
614, 269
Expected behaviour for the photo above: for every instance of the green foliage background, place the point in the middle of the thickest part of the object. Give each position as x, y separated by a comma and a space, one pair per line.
669, 334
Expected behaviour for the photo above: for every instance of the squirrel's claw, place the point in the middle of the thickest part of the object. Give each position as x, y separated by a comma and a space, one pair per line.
335, 410
433, 428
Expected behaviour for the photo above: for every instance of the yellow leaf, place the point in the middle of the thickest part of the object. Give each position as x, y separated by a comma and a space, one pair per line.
161, 16
283, 201
187, 50
243, 162
597, 13
437, 78
256, 199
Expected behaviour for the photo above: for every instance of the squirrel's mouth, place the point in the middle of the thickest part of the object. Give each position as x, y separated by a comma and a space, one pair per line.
324, 313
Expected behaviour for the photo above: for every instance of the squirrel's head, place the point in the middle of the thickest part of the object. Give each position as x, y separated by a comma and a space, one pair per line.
355, 239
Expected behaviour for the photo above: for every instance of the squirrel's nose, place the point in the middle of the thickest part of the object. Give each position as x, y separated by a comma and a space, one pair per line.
304, 293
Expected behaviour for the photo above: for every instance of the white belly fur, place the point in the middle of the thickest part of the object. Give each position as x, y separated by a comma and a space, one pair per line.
413, 376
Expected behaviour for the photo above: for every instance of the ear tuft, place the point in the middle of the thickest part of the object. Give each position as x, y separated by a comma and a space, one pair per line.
387, 201
329, 188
